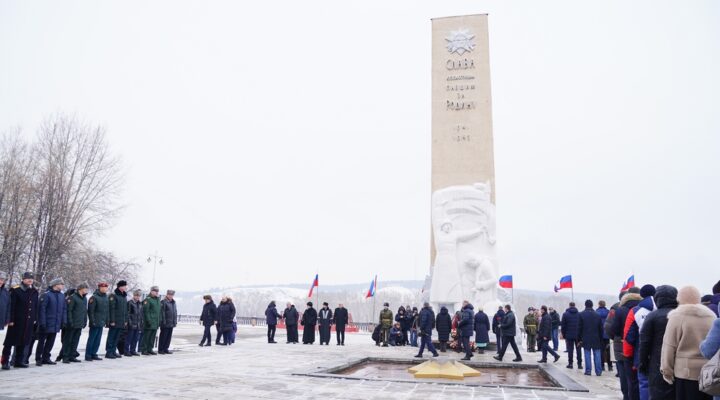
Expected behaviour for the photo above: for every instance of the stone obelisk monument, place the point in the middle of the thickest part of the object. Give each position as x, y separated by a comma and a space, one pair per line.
464, 266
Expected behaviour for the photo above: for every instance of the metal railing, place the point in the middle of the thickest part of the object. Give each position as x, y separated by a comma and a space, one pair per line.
260, 321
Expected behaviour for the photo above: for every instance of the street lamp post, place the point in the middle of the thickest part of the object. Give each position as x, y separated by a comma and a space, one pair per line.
155, 258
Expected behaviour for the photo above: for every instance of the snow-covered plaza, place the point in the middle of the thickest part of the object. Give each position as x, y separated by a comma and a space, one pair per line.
254, 369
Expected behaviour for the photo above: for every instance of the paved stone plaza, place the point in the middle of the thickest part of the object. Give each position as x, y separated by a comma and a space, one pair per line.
253, 369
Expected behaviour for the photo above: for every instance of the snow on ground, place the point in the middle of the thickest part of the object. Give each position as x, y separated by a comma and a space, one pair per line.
254, 369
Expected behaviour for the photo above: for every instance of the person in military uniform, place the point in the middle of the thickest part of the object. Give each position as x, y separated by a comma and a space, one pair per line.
135, 324
23, 315
168, 321
530, 322
98, 312
386, 321
76, 321
52, 316
117, 318
151, 321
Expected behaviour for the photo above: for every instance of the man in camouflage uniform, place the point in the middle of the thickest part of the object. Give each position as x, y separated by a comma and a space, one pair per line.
151, 321
386, 321
531, 327
117, 319
98, 312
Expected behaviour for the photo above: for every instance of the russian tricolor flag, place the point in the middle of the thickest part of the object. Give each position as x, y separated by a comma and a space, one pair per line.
630, 282
314, 285
506, 282
564, 283
371, 291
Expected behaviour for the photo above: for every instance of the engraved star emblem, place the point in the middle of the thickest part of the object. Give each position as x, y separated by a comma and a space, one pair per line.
460, 41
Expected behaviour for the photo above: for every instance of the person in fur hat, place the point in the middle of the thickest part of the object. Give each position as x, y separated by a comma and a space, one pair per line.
680, 359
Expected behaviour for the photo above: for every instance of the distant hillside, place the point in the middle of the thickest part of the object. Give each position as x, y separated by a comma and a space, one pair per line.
252, 300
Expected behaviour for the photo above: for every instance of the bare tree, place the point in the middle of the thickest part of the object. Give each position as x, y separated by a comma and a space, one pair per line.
16, 201
76, 190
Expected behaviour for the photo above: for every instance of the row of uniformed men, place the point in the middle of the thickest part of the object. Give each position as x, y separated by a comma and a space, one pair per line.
31, 316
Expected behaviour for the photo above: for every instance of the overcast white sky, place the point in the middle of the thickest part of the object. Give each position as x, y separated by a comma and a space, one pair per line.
265, 140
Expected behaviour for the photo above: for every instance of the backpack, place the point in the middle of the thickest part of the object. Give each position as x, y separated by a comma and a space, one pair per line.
709, 381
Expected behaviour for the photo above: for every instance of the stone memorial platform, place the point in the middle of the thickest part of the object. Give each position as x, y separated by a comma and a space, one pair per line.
254, 369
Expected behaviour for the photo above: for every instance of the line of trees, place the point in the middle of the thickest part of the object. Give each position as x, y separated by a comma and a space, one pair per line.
58, 192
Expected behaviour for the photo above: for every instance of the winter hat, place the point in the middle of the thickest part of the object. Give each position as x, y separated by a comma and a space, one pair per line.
170, 292
82, 286
647, 291
634, 289
688, 295
28, 275
207, 297
121, 283
706, 299
56, 281
386, 305
137, 292
666, 295
154, 289
716, 288
588, 303
309, 304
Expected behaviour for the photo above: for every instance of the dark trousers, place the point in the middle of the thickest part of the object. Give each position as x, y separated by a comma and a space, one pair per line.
572, 346
218, 334
688, 390
19, 354
340, 334
426, 341
148, 340
466, 346
45, 343
70, 343
112, 339
509, 340
131, 342
405, 337
292, 333
545, 348
93, 342
165, 338
498, 342
620, 366
271, 333
227, 337
633, 386
606, 357
207, 335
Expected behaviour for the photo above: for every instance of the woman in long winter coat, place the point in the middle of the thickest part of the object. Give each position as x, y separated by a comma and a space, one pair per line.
443, 324
308, 321
681, 361
226, 314
482, 329
651, 340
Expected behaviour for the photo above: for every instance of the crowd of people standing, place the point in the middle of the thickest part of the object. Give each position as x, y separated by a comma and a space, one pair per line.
132, 324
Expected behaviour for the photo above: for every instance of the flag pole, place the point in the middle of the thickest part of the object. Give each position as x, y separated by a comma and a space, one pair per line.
374, 297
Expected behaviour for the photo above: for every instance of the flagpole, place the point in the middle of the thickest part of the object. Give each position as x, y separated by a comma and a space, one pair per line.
374, 297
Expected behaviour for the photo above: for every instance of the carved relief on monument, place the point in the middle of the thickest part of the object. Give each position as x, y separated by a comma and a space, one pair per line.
465, 267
